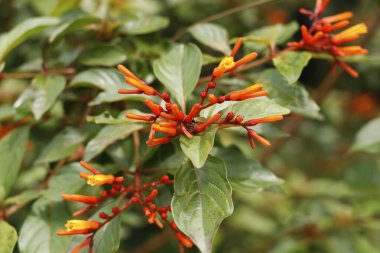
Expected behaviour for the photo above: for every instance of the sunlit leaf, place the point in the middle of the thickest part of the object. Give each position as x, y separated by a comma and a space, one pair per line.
144, 25
179, 70
22, 32
368, 137
8, 237
211, 35
198, 147
290, 64
47, 89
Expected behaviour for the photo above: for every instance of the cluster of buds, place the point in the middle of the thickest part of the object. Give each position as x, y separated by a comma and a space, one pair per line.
168, 119
322, 36
133, 194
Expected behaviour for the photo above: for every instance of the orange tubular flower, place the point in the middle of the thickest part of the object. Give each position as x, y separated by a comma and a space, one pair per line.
228, 64
268, 119
158, 141
82, 225
172, 131
139, 117
320, 38
81, 198
100, 179
201, 127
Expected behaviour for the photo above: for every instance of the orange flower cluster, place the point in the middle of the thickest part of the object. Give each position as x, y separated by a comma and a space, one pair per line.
168, 118
151, 210
321, 36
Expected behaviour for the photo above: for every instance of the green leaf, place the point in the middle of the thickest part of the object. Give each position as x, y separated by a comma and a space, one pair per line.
246, 174
271, 35
8, 237
368, 138
108, 80
145, 25
47, 89
23, 197
107, 239
103, 55
72, 25
12, 148
6, 112
67, 181
202, 199
22, 32
38, 233
211, 35
290, 64
179, 70
255, 108
198, 147
294, 97
63, 145
107, 136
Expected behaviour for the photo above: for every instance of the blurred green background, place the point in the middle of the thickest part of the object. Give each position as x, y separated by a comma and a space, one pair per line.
330, 199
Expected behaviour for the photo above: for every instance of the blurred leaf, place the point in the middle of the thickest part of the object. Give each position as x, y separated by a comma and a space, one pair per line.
8, 237
145, 25
72, 25
6, 112
271, 35
38, 232
211, 35
198, 147
255, 108
246, 174
63, 145
179, 70
52, 7
22, 32
294, 97
290, 64
208, 59
103, 55
107, 239
23, 197
368, 137
47, 89
67, 181
108, 80
107, 136
2, 66
202, 199
12, 148
107, 118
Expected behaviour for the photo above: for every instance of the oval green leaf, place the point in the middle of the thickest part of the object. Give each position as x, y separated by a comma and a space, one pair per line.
179, 70
202, 199
102, 55
290, 64
8, 237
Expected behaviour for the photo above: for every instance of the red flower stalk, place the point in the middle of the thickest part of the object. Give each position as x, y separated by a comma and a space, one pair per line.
321, 36
168, 118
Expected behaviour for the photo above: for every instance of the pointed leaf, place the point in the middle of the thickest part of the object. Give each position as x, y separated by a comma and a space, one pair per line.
246, 174
22, 32
212, 35
47, 89
72, 25
368, 137
8, 237
63, 145
145, 25
294, 97
291, 64
12, 148
179, 70
38, 233
107, 136
103, 55
198, 147
255, 108
108, 80
202, 199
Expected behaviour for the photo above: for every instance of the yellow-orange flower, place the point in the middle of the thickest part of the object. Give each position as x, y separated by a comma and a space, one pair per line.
76, 225
99, 179
224, 66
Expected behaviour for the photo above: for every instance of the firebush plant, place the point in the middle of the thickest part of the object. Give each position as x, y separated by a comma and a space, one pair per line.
112, 123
